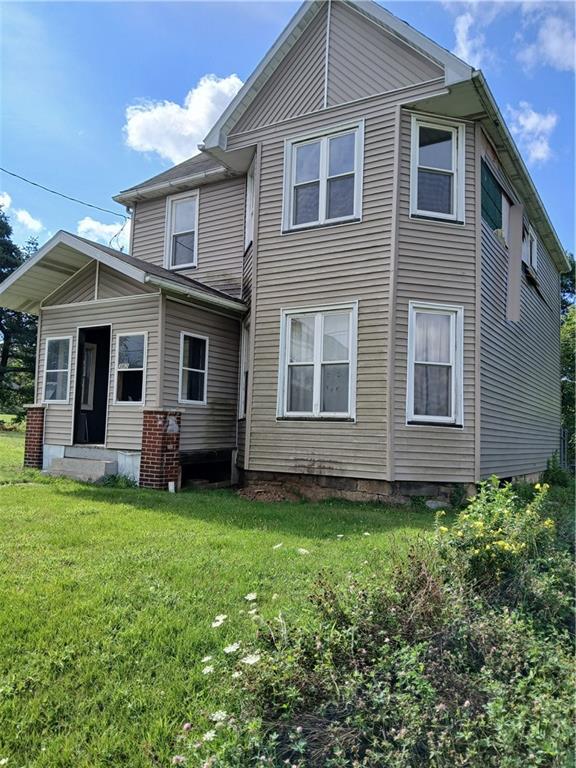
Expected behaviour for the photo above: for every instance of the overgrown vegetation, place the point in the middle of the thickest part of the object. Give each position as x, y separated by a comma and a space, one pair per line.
463, 658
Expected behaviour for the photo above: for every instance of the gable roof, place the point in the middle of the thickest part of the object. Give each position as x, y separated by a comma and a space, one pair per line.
455, 70
64, 254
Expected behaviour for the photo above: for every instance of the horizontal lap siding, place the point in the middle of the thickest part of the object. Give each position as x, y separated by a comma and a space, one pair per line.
297, 86
124, 421
436, 263
79, 288
220, 234
112, 284
211, 426
241, 443
326, 266
520, 367
365, 60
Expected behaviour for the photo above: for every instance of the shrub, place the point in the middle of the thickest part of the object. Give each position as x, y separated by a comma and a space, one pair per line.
118, 481
554, 474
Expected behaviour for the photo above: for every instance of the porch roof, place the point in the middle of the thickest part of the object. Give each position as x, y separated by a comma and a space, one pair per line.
64, 254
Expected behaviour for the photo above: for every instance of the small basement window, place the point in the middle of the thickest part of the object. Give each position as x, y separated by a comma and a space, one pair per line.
193, 369
57, 369
130, 367
182, 231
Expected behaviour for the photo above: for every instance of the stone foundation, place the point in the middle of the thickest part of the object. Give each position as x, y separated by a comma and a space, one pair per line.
320, 487
34, 440
160, 457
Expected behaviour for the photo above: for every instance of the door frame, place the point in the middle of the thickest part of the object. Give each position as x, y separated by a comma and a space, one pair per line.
76, 360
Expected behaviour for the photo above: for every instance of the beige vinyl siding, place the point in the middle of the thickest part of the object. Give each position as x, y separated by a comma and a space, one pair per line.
220, 234
210, 426
325, 266
112, 284
365, 60
297, 86
520, 367
126, 316
80, 287
436, 263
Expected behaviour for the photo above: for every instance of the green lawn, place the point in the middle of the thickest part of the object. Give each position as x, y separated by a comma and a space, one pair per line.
107, 598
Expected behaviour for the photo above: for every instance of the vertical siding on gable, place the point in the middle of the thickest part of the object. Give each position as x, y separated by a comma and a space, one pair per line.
365, 60
211, 426
128, 315
520, 367
436, 263
220, 234
297, 86
80, 287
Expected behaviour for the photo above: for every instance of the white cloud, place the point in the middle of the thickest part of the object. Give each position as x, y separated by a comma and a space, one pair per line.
112, 235
5, 201
532, 130
173, 131
554, 44
469, 47
28, 221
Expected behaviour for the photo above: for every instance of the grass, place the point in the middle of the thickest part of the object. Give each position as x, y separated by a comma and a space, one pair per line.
107, 598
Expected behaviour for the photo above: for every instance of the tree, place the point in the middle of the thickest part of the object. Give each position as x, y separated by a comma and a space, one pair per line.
568, 358
17, 330
568, 286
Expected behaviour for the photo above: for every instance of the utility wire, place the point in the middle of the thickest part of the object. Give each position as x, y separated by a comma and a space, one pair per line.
67, 197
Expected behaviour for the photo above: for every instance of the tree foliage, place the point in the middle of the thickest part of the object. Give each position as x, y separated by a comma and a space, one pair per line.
17, 330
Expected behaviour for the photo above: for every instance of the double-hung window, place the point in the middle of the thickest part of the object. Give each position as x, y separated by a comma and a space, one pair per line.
193, 369
323, 178
318, 363
437, 169
57, 369
435, 364
130, 368
529, 248
495, 204
181, 245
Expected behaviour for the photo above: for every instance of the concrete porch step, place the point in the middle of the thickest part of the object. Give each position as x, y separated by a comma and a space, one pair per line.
89, 452
87, 470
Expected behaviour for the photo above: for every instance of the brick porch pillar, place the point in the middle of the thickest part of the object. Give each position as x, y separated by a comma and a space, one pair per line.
34, 440
160, 458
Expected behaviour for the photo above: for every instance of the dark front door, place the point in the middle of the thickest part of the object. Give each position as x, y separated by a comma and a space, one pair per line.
92, 384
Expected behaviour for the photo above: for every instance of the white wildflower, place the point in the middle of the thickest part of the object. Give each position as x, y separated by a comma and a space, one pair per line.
232, 648
339, 535
302, 551
366, 533
277, 546
236, 674
208, 670
178, 760
218, 716
209, 736
253, 611
252, 658
251, 596
206, 659
275, 596
219, 620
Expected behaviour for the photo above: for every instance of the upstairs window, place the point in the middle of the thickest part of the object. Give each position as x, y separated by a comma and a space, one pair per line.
529, 248
437, 170
57, 370
323, 179
130, 368
435, 364
182, 231
495, 204
317, 375
193, 369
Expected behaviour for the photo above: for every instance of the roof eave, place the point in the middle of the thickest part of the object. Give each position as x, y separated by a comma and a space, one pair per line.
221, 301
130, 196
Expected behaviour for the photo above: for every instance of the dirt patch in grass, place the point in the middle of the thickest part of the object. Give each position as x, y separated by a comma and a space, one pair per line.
268, 492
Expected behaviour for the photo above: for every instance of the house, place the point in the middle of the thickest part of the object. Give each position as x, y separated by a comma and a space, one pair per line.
354, 287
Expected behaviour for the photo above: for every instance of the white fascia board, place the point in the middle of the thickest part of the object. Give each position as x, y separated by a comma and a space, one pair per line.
153, 190
192, 293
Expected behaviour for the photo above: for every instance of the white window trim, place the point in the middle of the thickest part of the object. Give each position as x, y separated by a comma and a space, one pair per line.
117, 337
88, 406
289, 170
532, 255
458, 131
58, 370
183, 400
244, 369
457, 361
250, 206
194, 194
282, 398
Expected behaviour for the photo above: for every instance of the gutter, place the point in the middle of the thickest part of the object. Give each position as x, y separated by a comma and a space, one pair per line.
141, 193
493, 112
193, 293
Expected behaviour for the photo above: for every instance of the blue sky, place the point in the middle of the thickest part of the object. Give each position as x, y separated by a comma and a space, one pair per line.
97, 96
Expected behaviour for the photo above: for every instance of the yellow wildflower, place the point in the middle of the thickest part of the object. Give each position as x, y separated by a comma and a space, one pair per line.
443, 529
